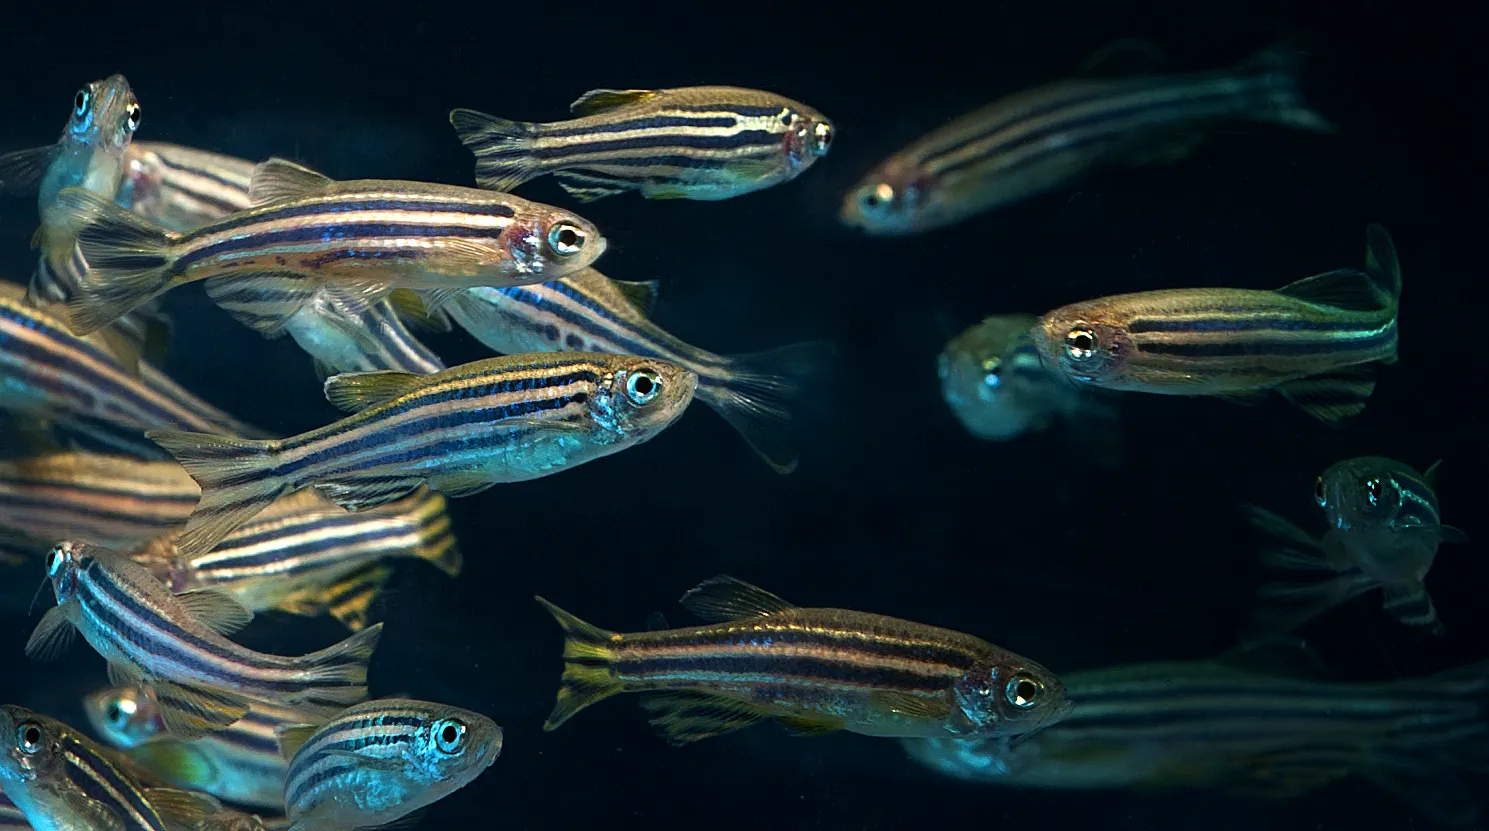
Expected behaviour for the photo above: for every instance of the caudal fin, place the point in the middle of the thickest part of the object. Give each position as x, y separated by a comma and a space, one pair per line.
338, 674
236, 479
504, 149
1276, 72
754, 392
129, 259
1301, 584
587, 656
1382, 265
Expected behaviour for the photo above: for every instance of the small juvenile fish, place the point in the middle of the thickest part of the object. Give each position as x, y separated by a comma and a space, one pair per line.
347, 243
382, 760
1312, 341
61, 781
812, 670
176, 645
587, 311
1049, 136
460, 431
112, 501
240, 763
705, 143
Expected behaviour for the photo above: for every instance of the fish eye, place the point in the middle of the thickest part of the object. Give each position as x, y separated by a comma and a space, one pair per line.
1023, 691
566, 239
114, 714
1318, 492
28, 737
1373, 490
878, 196
1080, 344
643, 385
133, 115
992, 370
787, 116
823, 134
449, 735
81, 102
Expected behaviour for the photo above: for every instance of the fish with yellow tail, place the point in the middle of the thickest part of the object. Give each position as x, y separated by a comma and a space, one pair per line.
1315, 342
811, 670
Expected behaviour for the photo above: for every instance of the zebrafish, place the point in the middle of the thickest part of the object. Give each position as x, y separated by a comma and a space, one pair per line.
61, 781
382, 760
460, 431
345, 243
176, 645
113, 501
812, 670
240, 763
1221, 726
1047, 137
87, 384
182, 189
1384, 527
1312, 341
11, 818
587, 311
704, 143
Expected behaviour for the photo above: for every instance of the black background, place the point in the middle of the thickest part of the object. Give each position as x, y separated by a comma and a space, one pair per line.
894, 509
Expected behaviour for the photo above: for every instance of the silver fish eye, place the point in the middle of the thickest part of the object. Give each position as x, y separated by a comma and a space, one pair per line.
566, 239
133, 116
643, 385
1319, 495
81, 102
28, 737
449, 735
1023, 691
877, 197
1080, 343
822, 138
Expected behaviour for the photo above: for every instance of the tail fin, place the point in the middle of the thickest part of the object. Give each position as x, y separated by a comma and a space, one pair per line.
1381, 264
339, 673
587, 656
236, 478
436, 535
504, 157
1279, 67
754, 391
1314, 586
129, 259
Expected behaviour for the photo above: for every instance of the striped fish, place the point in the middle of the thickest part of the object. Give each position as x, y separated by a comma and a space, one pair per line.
176, 645
1214, 725
113, 501
460, 431
382, 760
812, 670
61, 781
240, 763
589, 312
182, 189
343, 243
1312, 341
1050, 136
704, 143
52, 374
11, 818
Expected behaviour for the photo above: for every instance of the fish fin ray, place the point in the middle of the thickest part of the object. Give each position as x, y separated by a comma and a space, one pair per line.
181, 810
598, 101
275, 179
350, 599
354, 392
588, 651
129, 259
1333, 398
292, 737
235, 480
52, 636
911, 705
241, 295
587, 188
756, 393
724, 598
1285, 546
642, 294
685, 716
801, 726
338, 673
190, 711
1282, 606
216, 609
410, 306
1342, 288
503, 148
1381, 263
21, 171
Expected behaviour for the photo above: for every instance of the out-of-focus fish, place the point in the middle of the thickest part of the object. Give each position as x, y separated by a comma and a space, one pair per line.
240, 763
11, 818
346, 243
1213, 725
176, 645
182, 189
1384, 529
62, 781
113, 501
382, 760
460, 431
1313, 341
812, 670
705, 143
1049, 136
587, 311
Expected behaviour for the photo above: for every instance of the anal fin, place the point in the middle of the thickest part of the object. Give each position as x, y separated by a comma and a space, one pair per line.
684, 717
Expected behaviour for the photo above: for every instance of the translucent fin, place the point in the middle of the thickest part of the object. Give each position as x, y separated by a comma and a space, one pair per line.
292, 737
216, 609
339, 673
408, 305
234, 477
181, 810
724, 598
129, 259
1382, 264
802, 726
461, 483
603, 100
190, 712
263, 302
1285, 546
1333, 398
437, 543
354, 392
21, 171
277, 179
885, 701
587, 655
503, 148
350, 599
352, 299
175, 761
96, 815
1343, 288
1284, 103
1410, 604
52, 637
587, 188
684, 717
755, 392
641, 295
1282, 606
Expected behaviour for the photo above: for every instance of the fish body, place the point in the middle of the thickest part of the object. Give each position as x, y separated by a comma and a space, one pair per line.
11, 818
1312, 341
1053, 135
348, 242
706, 143
589, 312
1214, 725
461, 431
813, 670
112, 501
176, 645
382, 760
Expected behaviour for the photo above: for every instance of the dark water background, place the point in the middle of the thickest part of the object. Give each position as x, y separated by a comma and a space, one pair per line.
894, 509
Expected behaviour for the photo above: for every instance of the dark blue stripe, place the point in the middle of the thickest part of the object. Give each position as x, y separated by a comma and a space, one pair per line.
1240, 348
331, 232
654, 122
784, 669
744, 138
294, 799
741, 111
1241, 324
107, 777
351, 203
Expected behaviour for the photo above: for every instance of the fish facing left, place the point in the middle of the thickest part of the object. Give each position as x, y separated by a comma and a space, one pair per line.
812, 670
177, 645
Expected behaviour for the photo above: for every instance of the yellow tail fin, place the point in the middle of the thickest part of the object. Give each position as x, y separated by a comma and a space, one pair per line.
588, 651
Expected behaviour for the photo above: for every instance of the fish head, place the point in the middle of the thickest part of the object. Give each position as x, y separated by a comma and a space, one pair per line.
547, 243
28, 746
890, 200
1003, 697
1360, 494
984, 380
452, 747
124, 716
639, 397
105, 115
809, 135
1084, 343
63, 563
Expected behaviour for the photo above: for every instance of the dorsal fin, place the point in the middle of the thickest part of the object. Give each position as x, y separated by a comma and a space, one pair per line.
642, 295
216, 609
1128, 57
1429, 476
1381, 264
1344, 288
357, 391
601, 100
729, 598
278, 178
292, 737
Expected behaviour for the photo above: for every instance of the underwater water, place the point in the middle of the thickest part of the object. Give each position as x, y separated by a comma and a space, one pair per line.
1086, 546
